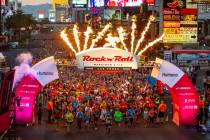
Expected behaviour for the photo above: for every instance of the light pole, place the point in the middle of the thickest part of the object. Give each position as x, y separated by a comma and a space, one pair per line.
0, 19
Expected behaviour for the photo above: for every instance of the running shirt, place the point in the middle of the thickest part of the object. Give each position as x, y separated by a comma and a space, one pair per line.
79, 115
131, 113
118, 116
162, 108
69, 117
108, 118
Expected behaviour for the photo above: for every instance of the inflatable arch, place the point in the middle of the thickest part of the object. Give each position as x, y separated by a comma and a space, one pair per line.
32, 82
184, 95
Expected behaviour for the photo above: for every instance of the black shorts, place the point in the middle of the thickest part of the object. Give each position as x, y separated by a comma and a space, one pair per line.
69, 123
96, 119
108, 124
131, 119
161, 114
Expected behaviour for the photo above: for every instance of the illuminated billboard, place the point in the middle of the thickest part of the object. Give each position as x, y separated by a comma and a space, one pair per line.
63, 3
79, 2
124, 3
180, 25
114, 14
174, 3
96, 3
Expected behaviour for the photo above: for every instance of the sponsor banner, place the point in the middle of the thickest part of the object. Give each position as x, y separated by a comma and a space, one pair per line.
166, 72
45, 71
106, 58
184, 95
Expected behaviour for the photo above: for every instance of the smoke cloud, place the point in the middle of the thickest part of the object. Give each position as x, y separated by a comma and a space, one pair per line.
25, 60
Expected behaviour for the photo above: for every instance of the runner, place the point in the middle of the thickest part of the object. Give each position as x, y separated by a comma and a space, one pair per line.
108, 121
118, 117
162, 112
79, 117
69, 119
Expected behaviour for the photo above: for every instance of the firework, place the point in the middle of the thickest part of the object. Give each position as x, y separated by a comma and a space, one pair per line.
76, 36
133, 27
112, 41
122, 35
151, 44
87, 35
100, 35
65, 38
151, 18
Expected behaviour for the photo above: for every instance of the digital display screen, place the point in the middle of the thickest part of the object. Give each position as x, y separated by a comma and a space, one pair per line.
96, 3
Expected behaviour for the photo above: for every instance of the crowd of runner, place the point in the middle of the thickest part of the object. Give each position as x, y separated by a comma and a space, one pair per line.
93, 99
90, 100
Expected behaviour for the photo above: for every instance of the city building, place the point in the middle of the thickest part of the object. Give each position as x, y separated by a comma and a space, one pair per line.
15, 4
60, 7
41, 14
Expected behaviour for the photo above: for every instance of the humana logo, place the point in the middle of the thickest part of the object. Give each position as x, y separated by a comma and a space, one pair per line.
170, 74
44, 73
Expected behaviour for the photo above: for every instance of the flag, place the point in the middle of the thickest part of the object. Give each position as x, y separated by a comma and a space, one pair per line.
45, 71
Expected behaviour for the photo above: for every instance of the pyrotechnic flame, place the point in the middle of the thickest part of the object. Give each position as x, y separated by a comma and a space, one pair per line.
76, 36
112, 40
122, 35
65, 38
87, 36
151, 18
100, 35
133, 27
142, 36
151, 44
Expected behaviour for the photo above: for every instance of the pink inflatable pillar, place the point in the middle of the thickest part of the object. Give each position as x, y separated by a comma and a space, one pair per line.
26, 92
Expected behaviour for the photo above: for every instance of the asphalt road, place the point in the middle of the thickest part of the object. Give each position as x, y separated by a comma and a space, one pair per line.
139, 132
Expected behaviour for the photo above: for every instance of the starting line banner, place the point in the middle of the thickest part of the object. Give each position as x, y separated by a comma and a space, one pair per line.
106, 59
